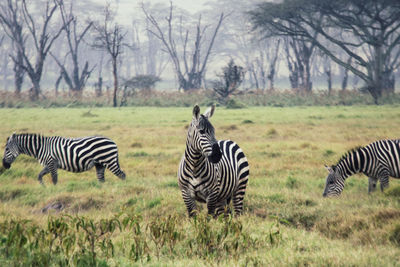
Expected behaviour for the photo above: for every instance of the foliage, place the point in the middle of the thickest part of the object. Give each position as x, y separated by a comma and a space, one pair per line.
81, 241
230, 79
175, 99
142, 82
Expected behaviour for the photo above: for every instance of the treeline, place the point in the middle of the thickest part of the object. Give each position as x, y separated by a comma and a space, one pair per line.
71, 45
287, 98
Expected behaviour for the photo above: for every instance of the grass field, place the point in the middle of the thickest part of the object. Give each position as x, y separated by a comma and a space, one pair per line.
286, 220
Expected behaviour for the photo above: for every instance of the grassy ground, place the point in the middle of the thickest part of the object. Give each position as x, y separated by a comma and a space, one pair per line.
286, 220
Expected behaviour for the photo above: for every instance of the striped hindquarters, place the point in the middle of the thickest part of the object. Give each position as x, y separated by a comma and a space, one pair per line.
239, 164
388, 156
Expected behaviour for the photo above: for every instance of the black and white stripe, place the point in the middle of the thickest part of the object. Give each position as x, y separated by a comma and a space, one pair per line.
378, 161
70, 154
211, 171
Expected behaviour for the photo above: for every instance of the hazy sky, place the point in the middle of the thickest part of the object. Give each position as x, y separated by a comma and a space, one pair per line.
126, 8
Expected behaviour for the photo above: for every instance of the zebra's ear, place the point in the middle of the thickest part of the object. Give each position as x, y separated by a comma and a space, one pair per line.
209, 112
196, 112
329, 169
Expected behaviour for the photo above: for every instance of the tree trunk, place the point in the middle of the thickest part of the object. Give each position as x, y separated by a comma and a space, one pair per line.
99, 87
35, 89
271, 77
115, 75
345, 79
328, 73
19, 73
388, 82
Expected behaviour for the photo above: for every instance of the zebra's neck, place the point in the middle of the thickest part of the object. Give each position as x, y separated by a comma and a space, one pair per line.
353, 162
193, 158
29, 144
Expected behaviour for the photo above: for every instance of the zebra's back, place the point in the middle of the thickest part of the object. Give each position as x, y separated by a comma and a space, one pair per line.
81, 154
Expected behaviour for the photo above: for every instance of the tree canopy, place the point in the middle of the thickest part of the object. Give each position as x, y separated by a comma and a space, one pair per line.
367, 31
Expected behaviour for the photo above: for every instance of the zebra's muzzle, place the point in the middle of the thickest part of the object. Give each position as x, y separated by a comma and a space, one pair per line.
216, 154
6, 164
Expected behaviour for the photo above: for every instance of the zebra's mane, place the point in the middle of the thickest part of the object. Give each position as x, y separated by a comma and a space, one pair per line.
34, 135
29, 134
206, 124
348, 153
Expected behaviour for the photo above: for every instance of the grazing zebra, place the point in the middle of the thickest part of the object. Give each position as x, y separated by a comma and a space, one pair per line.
211, 171
378, 161
71, 154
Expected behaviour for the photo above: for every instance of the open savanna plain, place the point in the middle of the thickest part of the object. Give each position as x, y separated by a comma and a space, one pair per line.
143, 220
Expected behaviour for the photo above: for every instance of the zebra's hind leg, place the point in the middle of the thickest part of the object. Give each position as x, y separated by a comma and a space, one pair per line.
238, 196
372, 184
52, 166
100, 172
42, 173
116, 170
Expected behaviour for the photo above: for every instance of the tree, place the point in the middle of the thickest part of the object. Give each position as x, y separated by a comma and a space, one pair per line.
148, 58
142, 82
230, 80
42, 38
366, 30
109, 38
75, 80
11, 20
190, 72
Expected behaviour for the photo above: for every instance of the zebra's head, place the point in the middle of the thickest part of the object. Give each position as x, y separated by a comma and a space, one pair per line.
201, 135
334, 182
11, 152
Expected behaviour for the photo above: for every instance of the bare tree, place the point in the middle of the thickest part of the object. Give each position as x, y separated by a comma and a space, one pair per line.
109, 37
148, 57
298, 57
190, 72
75, 80
42, 38
12, 23
265, 63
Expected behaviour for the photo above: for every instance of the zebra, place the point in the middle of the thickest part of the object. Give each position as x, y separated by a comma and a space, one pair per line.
70, 154
211, 171
378, 161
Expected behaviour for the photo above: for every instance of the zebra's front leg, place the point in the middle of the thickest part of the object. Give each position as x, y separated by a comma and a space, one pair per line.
372, 184
384, 180
190, 203
212, 202
42, 173
223, 208
100, 172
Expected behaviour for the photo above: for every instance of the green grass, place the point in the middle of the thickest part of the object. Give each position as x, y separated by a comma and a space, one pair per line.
286, 220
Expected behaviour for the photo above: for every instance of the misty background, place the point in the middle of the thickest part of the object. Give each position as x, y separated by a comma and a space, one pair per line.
65, 45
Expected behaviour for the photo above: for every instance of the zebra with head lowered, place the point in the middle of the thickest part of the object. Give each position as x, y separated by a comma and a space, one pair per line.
378, 161
211, 171
70, 154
